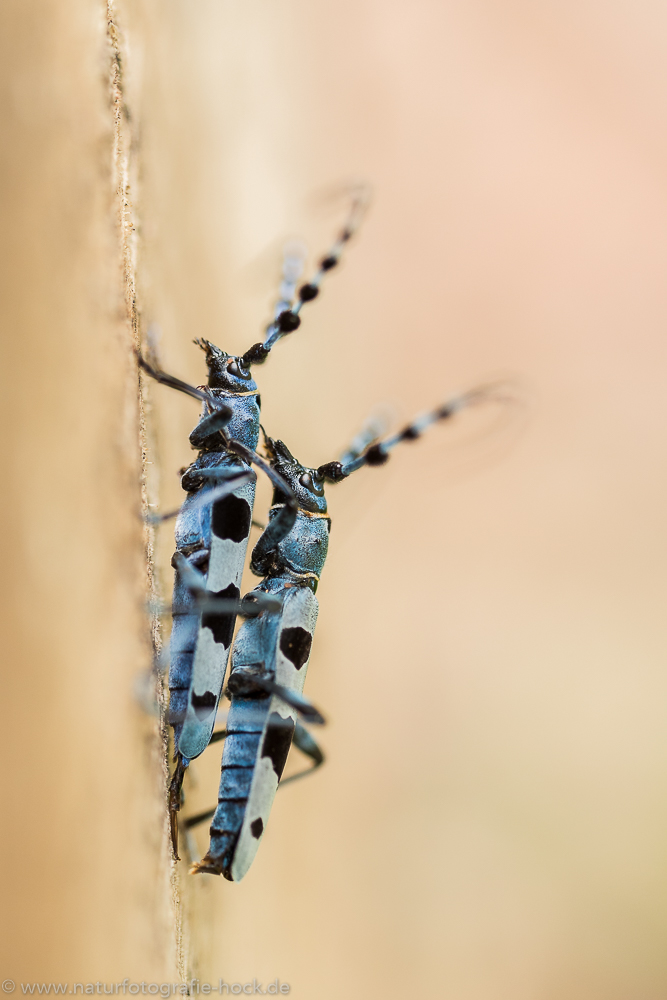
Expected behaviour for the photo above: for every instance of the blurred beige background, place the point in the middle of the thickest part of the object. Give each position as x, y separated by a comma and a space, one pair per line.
491, 822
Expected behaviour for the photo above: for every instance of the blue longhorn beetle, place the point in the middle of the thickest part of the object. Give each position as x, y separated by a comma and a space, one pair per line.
271, 651
213, 525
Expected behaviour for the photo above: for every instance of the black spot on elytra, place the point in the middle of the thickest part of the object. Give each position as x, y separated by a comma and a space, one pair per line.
295, 644
222, 626
231, 518
277, 741
203, 704
257, 828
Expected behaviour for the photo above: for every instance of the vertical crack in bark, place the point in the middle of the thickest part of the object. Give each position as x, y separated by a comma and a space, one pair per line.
124, 175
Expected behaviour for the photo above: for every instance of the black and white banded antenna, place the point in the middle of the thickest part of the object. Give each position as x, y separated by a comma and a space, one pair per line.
379, 452
288, 319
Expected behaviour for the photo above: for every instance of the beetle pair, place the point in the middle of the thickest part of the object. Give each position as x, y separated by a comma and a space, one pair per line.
271, 650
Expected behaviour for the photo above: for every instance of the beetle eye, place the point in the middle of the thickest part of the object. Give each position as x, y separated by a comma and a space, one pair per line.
238, 372
310, 484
